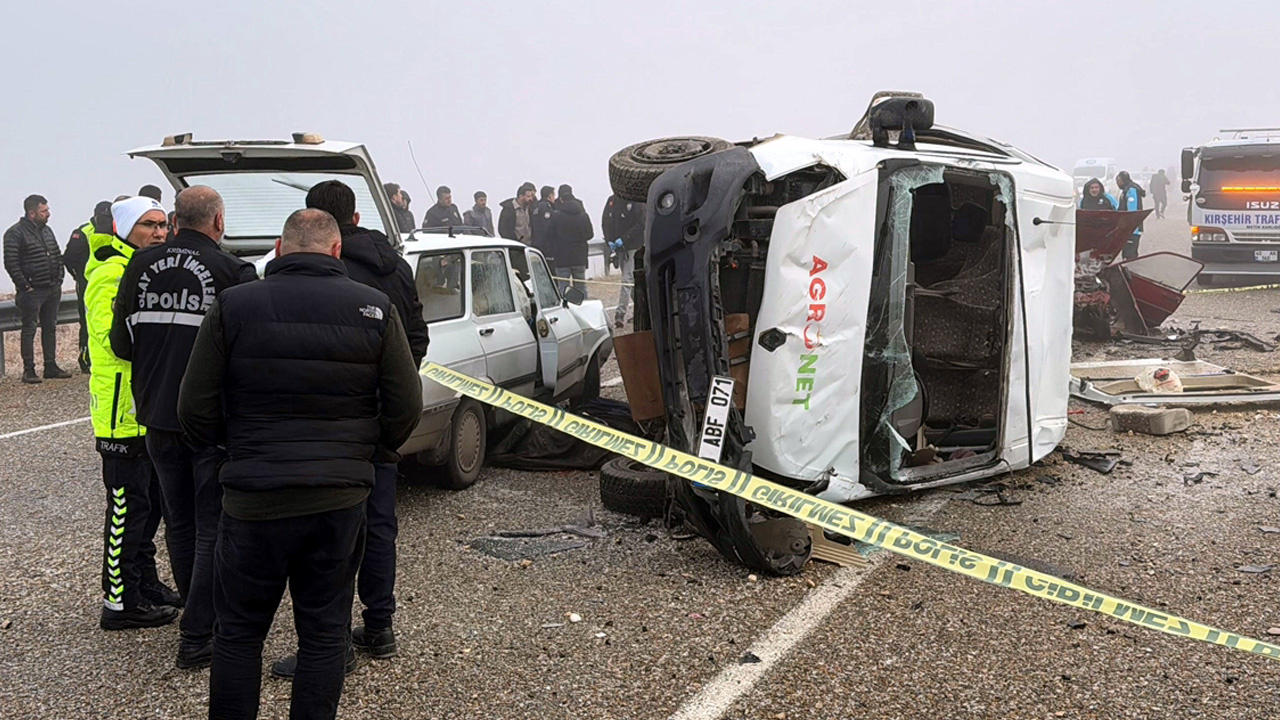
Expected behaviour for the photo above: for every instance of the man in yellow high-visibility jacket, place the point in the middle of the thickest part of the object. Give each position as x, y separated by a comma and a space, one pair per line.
133, 595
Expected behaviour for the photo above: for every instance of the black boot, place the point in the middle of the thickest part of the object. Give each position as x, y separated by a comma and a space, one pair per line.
30, 377
379, 644
286, 666
157, 593
194, 654
142, 616
53, 372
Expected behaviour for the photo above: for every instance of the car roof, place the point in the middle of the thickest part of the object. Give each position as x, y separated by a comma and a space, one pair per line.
421, 243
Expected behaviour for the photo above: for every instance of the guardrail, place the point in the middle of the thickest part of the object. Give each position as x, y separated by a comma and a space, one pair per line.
11, 318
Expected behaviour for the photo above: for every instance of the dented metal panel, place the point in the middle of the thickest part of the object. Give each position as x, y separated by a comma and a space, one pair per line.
803, 396
1114, 383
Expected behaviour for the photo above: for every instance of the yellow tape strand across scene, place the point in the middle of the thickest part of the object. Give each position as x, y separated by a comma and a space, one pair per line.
1216, 291
841, 519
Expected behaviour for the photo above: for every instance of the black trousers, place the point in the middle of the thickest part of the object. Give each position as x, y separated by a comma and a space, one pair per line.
84, 326
377, 579
39, 307
317, 556
1131, 247
193, 506
133, 514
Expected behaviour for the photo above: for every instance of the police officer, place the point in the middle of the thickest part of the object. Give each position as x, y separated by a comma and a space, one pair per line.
133, 594
303, 376
84, 240
623, 228
164, 295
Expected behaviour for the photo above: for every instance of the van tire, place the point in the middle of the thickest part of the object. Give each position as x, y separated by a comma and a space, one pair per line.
628, 487
467, 444
634, 168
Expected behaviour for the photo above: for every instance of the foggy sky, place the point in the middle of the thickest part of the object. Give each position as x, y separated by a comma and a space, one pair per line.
493, 94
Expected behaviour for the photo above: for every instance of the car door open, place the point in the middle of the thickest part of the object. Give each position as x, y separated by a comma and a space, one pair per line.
559, 334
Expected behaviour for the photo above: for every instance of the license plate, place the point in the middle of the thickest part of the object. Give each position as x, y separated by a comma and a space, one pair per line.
1266, 255
716, 421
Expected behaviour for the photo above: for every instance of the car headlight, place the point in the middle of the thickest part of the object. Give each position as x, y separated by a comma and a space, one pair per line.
1208, 235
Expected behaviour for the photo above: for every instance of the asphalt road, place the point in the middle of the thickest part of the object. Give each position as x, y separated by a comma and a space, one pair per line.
668, 628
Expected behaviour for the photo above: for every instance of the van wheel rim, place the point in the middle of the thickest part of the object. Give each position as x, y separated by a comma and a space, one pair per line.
468, 442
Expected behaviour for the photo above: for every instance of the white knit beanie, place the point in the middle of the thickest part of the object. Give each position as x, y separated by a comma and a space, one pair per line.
127, 212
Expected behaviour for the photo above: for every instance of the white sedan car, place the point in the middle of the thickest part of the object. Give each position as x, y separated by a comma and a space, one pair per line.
491, 306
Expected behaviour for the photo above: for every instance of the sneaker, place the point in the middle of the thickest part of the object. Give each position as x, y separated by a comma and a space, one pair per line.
53, 372
285, 667
619, 323
194, 654
142, 616
160, 594
30, 377
378, 644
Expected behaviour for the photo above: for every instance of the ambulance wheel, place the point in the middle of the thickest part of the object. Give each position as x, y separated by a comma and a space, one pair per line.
467, 437
628, 487
633, 169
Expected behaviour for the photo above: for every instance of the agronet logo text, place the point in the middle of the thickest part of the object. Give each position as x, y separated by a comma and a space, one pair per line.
808, 371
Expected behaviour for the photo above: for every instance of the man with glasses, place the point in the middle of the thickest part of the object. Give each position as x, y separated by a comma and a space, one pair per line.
133, 596
164, 295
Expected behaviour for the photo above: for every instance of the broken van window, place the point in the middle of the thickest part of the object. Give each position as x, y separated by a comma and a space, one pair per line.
889, 384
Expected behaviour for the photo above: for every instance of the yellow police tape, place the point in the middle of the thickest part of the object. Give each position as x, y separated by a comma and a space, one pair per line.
1215, 291
840, 519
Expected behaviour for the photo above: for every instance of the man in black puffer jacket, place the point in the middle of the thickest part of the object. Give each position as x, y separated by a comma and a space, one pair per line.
303, 376
164, 295
570, 231
34, 263
370, 260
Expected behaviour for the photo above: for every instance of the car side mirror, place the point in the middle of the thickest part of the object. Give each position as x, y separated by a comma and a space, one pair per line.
1186, 186
574, 296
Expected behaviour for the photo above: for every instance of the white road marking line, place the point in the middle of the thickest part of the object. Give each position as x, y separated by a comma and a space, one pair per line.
64, 423
611, 382
730, 684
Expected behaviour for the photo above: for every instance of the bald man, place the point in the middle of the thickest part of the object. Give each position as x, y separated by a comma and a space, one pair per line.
164, 295
302, 376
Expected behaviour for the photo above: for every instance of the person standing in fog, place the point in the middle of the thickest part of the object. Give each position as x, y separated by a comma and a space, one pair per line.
569, 232
164, 295
84, 240
514, 220
302, 375
133, 596
444, 213
623, 227
34, 264
480, 215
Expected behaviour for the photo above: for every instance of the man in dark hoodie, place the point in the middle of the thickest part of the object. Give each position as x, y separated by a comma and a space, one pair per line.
513, 221
567, 245
370, 260
1094, 196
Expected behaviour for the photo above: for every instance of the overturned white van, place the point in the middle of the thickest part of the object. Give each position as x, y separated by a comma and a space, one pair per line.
896, 303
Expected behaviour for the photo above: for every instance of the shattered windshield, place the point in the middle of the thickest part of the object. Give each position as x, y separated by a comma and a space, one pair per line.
257, 204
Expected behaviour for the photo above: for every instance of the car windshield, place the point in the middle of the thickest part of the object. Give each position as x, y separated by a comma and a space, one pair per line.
258, 203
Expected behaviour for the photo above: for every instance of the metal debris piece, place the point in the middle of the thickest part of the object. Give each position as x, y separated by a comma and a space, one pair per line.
1103, 461
1255, 569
